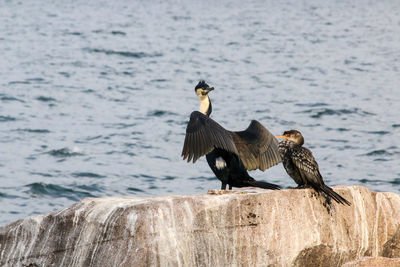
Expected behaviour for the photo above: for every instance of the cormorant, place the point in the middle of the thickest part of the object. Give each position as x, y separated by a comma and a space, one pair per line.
229, 154
300, 164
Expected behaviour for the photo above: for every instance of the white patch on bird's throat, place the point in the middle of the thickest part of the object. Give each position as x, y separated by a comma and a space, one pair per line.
220, 163
204, 104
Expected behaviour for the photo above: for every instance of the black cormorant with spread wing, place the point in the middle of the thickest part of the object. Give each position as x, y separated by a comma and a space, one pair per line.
300, 164
229, 154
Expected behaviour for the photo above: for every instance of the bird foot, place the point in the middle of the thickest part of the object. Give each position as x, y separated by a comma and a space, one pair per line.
218, 191
224, 192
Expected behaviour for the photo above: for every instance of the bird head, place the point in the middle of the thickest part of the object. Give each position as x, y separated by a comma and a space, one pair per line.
202, 89
294, 136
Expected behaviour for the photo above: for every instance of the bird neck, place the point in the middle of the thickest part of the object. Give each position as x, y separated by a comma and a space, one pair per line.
299, 141
205, 105
288, 144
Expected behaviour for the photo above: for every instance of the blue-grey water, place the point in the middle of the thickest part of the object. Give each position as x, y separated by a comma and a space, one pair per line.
95, 95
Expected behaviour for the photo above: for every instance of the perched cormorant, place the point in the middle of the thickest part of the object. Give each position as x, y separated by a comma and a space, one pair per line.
229, 154
300, 164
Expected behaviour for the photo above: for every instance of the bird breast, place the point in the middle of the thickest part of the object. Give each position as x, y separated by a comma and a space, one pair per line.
220, 163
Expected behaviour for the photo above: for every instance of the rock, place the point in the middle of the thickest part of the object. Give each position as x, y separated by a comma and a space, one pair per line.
265, 228
374, 262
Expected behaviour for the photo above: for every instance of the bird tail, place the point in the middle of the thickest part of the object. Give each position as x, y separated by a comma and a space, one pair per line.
262, 184
330, 194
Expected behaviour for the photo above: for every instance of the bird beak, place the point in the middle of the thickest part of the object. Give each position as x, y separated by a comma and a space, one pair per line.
207, 90
281, 136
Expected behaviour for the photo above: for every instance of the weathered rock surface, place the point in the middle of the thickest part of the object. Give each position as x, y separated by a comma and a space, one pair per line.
271, 228
374, 262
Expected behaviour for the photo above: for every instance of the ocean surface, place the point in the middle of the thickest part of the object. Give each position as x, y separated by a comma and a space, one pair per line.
95, 95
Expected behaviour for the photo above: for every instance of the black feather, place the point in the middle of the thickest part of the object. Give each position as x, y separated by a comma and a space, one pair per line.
201, 84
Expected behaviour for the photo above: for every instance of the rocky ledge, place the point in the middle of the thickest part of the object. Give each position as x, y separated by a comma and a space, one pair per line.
260, 228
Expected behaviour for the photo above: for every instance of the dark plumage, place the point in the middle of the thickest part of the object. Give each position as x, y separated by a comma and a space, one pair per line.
201, 84
300, 164
229, 154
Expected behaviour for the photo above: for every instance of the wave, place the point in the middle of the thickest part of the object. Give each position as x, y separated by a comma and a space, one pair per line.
122, 53
378, 132
34, 130
88, 174
321, 112
379, 152
63, 153
56, 191
118, 33
7, 118
134, 189
45, 99
169, 178
160, 113
11, 98
311, 105
395, 181
4, 195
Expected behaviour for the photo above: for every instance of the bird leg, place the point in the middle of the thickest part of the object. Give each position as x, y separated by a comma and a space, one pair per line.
223, 186
230, 187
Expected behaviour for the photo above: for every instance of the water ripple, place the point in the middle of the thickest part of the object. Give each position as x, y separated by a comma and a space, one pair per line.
319, 113
379, 152
56, 191
123, 53
45, 99
311, 105
7, 118
87, 174
395, 181
41, 174
160, 113
118, 33
41, 131
378, 132
120, 125
90, 187
338, 129
63, 152
11, 98
134, 189
4, 195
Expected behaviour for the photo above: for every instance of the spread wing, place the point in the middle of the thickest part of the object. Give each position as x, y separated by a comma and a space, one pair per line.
308, 167
203, 135
257, 147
